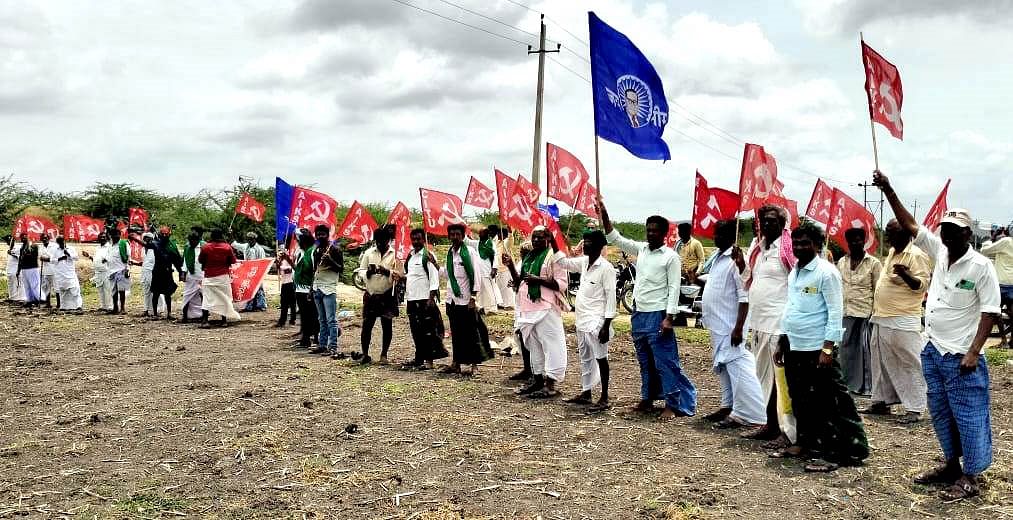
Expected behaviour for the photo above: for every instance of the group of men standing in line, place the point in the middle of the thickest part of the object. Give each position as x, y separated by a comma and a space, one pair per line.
39, 273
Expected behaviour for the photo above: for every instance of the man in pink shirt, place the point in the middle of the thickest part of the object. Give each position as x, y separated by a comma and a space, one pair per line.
540, 314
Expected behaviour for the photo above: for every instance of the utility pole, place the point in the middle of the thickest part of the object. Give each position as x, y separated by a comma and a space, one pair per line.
914, 212
536, 155
865, 201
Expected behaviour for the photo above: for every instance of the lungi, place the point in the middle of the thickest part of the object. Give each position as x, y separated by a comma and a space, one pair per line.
31, 285
119, 281
855, 356
503, 282
100, 279
192, 296
960, 406
465, 324
740, 389
897, 367
424, 321
591, 350
217, 297
763, 346
70, 298
661, 375
828, 422
544, 337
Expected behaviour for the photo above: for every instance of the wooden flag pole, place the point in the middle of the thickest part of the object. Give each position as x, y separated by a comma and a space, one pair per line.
872, 124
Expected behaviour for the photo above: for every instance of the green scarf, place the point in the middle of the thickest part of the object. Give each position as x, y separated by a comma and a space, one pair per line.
468, 268
485, 250
124, 250
190, 257
533, 265
302, 272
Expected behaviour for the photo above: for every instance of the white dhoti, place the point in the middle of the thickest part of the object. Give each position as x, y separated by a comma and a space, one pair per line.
47, 286
31, 285
100, 279
763, 347
216, 292
735, 365
506, 292
544, 337
14, 290
146, 292
590, 350
897, 367
487, 295
69, 292
192, 296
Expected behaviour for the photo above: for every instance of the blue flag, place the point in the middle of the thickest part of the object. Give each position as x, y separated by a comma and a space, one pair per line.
629, 101
551, 209
283, 193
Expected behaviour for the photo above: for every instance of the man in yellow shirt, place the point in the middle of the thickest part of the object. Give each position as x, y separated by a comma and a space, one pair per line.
690, 252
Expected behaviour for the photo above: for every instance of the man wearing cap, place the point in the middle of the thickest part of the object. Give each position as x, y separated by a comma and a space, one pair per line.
252, 250
962, 306
66, 286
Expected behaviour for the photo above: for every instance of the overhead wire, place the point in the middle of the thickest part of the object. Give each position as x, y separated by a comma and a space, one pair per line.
447, 18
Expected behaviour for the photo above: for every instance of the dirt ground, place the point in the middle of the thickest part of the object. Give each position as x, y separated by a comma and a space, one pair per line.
115, 417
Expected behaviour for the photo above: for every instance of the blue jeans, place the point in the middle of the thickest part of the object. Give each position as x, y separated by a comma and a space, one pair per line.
327, 313
960, 406
661, 376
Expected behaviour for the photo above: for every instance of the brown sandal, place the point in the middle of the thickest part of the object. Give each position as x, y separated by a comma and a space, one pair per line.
943, 474
961, 489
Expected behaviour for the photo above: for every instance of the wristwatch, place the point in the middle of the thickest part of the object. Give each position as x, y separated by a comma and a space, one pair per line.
828, 351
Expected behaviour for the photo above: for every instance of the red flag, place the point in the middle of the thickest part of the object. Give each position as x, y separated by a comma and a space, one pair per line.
35, 227
711, 205
565, 173
250, 207
790, 206
557, 233
939, 207
247, 276
847, 213
673, 234
401, 217
138, 217
358, 226
505, 185
883, 88
758, 179
439, 210
819, 204
310, 208
523, 214
529, 189
81, 228
479, 195
587, 203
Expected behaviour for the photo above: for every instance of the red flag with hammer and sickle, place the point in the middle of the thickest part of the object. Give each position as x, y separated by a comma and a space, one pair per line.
758, 179
250, 207
565, 173
479, 195
440, 210
886, 95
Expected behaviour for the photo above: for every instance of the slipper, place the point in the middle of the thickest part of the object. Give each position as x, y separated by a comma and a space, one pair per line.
578, 399
528, 390
762, 434
599, 408
450, 369
961, 489
544, 393
785, 454
728, 423
939, 475
820, 466
776, 444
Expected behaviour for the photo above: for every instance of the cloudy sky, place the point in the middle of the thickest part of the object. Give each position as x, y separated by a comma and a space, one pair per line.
370, 99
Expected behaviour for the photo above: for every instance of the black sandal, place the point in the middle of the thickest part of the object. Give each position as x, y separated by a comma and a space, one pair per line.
544, 393
820, 466
943, 474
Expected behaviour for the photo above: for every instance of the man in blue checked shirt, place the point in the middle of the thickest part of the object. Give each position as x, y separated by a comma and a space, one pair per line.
830, 431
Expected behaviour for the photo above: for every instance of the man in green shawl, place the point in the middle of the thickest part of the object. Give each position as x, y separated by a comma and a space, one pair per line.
194, 275
463, 285
540, 314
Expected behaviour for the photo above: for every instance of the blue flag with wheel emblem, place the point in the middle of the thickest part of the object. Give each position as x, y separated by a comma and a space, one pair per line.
629, 101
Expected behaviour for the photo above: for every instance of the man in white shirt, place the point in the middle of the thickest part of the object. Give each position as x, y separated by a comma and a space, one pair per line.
725, 307
489, 298
1000, 250
656, 302
193, 298
466, 325
962, 305
422, 288
767, 265
14, 292
595, 308
380, 264
100, 273
503, 243
65, 283
47, 254
117, 262
252, 250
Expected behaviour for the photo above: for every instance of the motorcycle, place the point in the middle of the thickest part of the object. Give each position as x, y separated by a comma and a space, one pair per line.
626, 275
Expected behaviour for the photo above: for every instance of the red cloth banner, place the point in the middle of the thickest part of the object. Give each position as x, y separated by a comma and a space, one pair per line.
34, 227
530, 190
523, 214
505, 185
673, 234
81, 228
138, 217
847, 213
247, 276
310, 208
440, 210
711, 205
886, 95
250, 207
819, 204
758, 179
479, 195
401, 218
790, 206
565, 173
935, 214
358, 226
557, 233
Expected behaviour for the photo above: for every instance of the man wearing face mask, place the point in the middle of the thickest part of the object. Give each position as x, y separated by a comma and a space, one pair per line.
962, 305
830, 431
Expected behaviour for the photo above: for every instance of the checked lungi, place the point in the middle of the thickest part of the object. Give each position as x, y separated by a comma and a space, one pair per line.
960, 405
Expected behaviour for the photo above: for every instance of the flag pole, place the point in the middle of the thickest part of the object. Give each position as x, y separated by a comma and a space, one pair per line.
597, 168
872, 124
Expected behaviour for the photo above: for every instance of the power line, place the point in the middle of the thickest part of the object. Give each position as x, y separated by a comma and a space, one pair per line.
434, 13
571, 71
547, 17
480, 15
